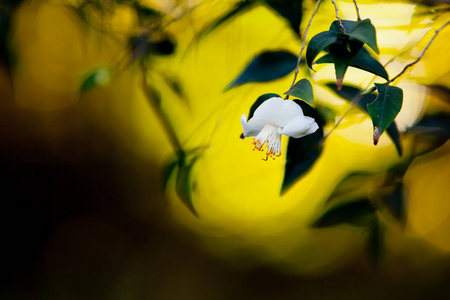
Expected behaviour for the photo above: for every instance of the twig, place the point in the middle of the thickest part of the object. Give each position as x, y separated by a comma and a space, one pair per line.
357, 10
303, 45
337, 16
165, 122
421, 54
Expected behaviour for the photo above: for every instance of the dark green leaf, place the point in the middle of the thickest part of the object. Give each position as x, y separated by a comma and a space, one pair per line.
385, 108
146, 14
303, 90
436, 125
349, 93
238, 8
266, 66
348, 25
356, 213
342, 57
375, 243
355, 185
362, 30
168, 170
366, 33
303, 152
291, 10
394, 198
318, 43
96, 78
431, 132
363, 60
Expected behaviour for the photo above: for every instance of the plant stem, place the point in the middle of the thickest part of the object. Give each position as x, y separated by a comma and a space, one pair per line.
337, 16
165, 122
303, 45
421, 54
357, 10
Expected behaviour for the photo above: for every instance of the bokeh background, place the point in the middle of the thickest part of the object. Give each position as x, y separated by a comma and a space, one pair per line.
98, 96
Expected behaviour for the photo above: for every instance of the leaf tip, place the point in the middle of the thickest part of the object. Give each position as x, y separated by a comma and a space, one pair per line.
376, 135
339, 82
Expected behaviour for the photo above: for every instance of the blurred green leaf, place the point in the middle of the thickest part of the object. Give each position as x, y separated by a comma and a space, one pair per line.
303, 152
385, 108
239, 8
303, 90
355, 185
146, 14
357, 213
291, 10
375, 243
318, 43
266, 66
183, 185
349, 93
393, 197
96, 78
182, 167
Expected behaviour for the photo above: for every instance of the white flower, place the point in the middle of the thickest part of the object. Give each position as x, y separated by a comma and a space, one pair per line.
273, 118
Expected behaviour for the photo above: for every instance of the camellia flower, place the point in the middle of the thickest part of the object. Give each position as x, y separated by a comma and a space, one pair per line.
273, 118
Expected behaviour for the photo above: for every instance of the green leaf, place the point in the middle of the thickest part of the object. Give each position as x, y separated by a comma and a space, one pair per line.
291, 10
366, 33
303, 90
431, 132
183, 185
266, 66
349, 26
349, 93
303, 152
96, 78
168, 170
318, 43
357, 213
394, 198
362, 30
363, 60
342, 57
375, 243
384, 108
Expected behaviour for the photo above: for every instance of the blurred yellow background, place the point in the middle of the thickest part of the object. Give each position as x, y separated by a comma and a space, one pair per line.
87, 216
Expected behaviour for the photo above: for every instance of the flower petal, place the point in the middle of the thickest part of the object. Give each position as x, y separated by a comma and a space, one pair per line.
252, 127
278, 111
299, 127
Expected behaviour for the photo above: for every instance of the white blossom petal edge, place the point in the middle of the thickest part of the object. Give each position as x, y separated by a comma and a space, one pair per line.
273, 118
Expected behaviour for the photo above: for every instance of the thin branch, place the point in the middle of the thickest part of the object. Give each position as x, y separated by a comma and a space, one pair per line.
421, 54
357, 10
337, 16
303, 45
165, 122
